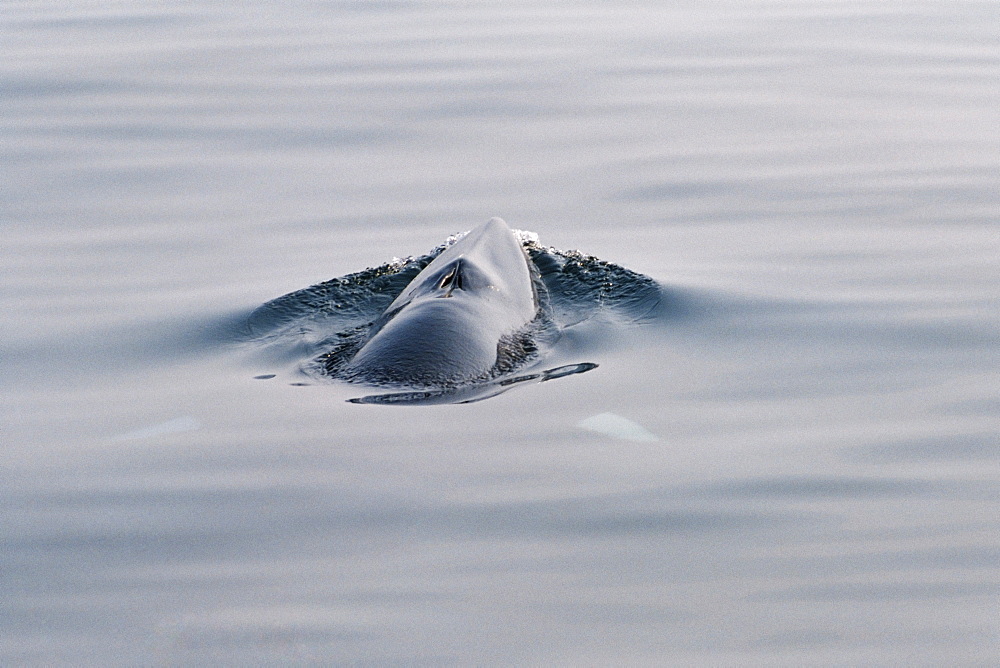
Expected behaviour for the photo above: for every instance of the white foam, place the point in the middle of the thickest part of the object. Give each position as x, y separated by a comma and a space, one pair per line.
526, 237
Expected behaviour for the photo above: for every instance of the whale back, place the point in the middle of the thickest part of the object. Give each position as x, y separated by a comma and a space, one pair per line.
447, 325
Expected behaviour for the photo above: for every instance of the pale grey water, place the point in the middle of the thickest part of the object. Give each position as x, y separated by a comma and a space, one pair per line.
817, 183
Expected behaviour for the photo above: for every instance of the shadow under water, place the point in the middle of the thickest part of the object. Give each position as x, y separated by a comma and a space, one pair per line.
321, 328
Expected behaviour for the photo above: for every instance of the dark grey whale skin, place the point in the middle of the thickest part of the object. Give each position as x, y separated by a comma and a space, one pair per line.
446, 326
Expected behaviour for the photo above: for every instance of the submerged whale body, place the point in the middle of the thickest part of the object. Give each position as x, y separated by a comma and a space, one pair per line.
451, 324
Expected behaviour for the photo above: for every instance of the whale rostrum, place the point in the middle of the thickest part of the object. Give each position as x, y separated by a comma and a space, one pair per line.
450, 324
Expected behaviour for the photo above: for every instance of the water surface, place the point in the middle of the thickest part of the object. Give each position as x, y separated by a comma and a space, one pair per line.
798, 465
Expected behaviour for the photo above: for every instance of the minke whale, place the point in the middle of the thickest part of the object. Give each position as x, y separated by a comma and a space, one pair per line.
455, 321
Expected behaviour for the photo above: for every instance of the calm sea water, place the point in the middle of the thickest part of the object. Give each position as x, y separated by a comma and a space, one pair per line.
798, 465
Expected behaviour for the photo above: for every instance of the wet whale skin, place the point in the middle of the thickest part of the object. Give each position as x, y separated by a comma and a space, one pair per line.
447, 325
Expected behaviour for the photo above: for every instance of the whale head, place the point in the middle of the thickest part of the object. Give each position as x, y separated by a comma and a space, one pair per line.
447, 326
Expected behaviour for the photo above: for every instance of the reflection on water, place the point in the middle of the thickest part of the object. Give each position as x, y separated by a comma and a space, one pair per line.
798, 466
